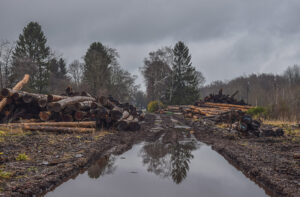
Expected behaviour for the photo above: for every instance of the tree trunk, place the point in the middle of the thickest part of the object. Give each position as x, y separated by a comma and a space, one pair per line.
60, 105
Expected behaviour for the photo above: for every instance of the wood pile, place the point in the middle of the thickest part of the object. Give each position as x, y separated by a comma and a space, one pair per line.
221, 98
244, 124
69, 112
205, 109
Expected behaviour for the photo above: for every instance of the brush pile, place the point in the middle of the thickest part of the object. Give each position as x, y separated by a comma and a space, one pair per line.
221, 98
72, 110
244, 124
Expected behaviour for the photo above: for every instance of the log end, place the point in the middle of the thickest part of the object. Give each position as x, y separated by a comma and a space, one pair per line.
5, 92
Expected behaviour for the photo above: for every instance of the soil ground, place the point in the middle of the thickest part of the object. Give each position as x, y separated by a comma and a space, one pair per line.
32, 163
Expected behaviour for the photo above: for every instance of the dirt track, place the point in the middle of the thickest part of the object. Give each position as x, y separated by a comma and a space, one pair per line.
53, 158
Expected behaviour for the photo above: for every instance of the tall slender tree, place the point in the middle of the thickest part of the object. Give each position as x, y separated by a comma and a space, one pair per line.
31, 56
97, 68
185, 77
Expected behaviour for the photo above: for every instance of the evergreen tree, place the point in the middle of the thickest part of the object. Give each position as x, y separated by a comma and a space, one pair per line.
31, 56
97, 68
185, 81
62, 69
58, 78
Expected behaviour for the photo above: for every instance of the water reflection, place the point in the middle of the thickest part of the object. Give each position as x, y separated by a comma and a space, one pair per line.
169, 159
175, 165
103, 166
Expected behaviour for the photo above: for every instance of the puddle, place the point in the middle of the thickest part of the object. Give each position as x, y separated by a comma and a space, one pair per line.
187, 168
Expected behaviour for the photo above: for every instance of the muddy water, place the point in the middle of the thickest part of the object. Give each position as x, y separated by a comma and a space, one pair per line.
185, 168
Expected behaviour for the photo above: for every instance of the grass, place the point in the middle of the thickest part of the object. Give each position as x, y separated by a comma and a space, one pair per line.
287, 126
22, 157
5, 175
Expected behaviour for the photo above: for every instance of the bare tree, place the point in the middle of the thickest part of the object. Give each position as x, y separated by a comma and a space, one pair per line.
75, 71
157, 72
6, 51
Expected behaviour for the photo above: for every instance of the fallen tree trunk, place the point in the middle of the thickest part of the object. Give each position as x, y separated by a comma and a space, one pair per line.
17, 87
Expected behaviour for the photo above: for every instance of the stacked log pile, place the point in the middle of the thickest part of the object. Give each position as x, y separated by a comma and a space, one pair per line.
235, 115
69, 112
221, 98
205, 109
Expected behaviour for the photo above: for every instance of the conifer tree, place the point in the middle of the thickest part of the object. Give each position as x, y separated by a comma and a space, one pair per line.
97, 68
31, 56
185, 84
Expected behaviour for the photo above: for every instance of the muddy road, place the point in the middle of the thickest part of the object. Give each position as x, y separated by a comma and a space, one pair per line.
34, 163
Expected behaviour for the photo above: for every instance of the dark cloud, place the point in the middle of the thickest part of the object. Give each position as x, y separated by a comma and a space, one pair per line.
227, 38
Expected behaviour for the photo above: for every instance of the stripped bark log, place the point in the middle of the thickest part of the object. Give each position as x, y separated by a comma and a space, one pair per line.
60, 105
54, 98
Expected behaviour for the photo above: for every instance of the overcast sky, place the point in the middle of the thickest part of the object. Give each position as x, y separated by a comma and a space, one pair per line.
227, 38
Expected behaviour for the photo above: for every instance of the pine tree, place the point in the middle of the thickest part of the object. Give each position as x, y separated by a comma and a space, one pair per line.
62, 69
31, 56
97, 69
185, 81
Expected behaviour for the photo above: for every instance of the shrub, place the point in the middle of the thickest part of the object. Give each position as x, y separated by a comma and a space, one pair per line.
153, 106
258, 112
22, 157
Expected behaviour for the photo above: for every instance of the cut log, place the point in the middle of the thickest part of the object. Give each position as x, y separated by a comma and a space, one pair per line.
125, 115
125, 125
116, 113
54, 98
60, 105
121, 125
85, 105
130, 117
17, 87
79, 115
45, 115
59, 129
87, 124
7, 92
39, 98
17, 95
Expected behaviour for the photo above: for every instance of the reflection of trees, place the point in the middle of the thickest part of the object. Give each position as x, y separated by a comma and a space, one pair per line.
103, 166
169, 160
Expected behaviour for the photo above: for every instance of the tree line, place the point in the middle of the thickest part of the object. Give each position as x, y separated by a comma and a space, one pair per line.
170, 76
99, 73
279, 94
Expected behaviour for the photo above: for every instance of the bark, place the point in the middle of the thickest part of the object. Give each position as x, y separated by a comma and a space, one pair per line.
54, 98
79, 115
60, 105
85, 105
17, 87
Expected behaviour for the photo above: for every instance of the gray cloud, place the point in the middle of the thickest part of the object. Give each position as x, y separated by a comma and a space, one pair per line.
226, 38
